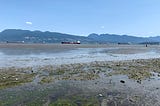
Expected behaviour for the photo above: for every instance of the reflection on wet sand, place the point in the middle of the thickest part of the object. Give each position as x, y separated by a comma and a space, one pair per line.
30, 56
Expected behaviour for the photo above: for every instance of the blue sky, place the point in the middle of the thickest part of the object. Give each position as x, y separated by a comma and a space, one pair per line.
82, 17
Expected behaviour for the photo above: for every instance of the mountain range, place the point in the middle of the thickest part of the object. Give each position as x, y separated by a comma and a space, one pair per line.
27, 36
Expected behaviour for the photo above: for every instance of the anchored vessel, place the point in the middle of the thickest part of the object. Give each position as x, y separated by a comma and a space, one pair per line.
77, 42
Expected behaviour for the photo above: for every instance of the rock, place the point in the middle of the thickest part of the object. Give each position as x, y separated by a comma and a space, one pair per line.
139, 81
131, 100
94, 71
104, 102
110, 81
122, 81
158, 75
117, 65
100, 95
31, 71
78, 103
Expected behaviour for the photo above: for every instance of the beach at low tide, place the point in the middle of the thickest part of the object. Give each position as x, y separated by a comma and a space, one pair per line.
79, 75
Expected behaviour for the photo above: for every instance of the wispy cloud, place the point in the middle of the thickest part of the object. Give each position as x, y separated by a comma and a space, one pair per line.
102, 27
29, 23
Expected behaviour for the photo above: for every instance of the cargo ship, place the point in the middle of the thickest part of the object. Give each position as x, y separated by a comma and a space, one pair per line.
78, 42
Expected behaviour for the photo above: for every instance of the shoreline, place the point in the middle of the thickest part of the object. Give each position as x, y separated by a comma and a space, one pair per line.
35, 55
69, 58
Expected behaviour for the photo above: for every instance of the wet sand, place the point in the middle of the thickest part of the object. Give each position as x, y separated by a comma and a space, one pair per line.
25, 55
26, 49
117, 75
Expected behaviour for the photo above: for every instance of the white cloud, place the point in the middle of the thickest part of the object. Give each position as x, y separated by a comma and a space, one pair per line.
102, 27
29, 23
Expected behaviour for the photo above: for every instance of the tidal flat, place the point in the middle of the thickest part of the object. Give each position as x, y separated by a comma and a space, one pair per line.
84, 75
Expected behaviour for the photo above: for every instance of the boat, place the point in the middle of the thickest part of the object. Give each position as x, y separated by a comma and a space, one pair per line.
77, 42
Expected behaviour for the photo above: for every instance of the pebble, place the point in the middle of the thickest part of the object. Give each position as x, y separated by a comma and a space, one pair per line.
122, 81
100, 95
139, 81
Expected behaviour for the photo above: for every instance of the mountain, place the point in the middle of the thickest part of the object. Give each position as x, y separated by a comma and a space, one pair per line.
27, 36
118, 38
13, 35
156, 39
